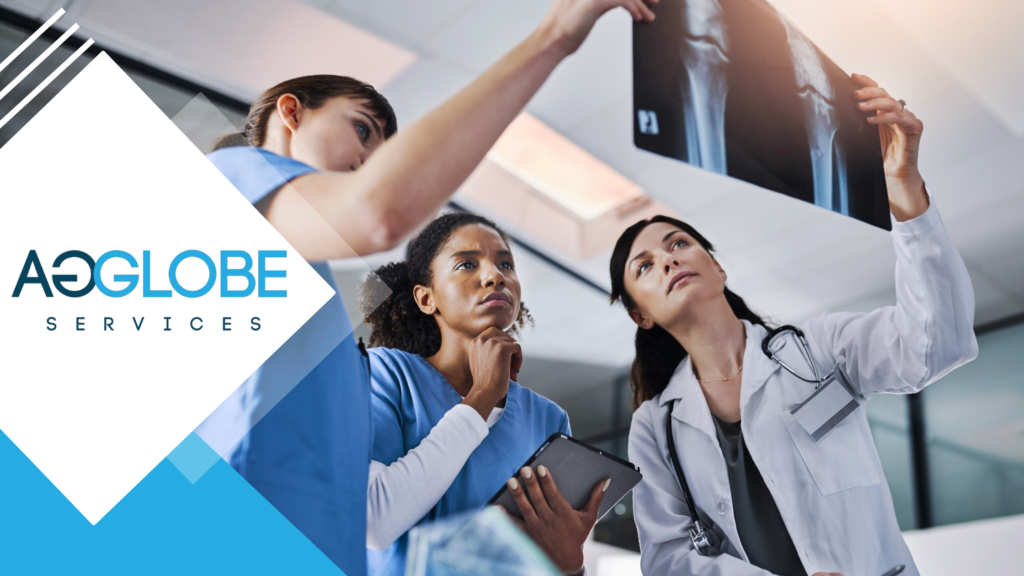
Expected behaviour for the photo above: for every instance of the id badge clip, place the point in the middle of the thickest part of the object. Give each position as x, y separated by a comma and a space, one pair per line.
827, 406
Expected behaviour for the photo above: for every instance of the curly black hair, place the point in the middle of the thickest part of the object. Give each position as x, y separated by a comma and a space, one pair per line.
398, 322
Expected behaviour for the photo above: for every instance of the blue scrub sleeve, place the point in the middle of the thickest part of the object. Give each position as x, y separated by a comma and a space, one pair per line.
563, 426
385, 410
257, 172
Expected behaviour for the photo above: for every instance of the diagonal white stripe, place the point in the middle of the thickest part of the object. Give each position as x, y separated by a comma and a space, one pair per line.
31, 39
17, 80
46, 82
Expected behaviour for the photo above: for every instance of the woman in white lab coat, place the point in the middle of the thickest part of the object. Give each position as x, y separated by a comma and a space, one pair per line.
775, 499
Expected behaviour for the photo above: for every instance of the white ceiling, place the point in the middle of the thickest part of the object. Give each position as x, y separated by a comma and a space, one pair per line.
960, 66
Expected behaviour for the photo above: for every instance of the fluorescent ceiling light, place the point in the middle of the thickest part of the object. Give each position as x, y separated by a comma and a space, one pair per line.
540, 184
560, 170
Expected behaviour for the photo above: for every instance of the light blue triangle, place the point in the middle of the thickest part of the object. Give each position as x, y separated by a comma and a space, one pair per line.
193, 457
165, 526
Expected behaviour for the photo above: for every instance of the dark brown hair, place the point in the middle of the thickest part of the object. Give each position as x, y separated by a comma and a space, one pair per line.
312, 92
658, 353
398, 322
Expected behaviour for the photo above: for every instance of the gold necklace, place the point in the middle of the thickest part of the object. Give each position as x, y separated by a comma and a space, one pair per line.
721, 379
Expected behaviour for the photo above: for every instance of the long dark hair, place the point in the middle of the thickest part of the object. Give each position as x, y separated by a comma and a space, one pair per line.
658, 353
312, 92
398, 322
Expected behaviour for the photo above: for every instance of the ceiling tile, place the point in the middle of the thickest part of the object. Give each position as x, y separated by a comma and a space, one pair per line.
39, 9
608, 135
980, 42
853, 35
572, 322
598, 74
410, 20
423, 86
485, 31
228, 45
981, 184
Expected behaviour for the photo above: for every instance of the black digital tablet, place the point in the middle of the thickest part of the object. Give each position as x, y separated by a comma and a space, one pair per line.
576, 468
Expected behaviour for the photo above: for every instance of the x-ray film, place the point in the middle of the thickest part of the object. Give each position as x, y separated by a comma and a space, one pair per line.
733, 87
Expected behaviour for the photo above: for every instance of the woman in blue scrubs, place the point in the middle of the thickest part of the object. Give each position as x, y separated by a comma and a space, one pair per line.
326, 173
450, 424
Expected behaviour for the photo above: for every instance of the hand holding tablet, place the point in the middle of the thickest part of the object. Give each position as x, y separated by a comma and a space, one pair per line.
561, 492
576, 468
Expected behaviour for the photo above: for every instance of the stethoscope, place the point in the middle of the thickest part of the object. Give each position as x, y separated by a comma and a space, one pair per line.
766, 347
705, 542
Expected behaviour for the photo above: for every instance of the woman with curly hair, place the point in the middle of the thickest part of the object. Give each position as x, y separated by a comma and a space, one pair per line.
322, 160
450, 424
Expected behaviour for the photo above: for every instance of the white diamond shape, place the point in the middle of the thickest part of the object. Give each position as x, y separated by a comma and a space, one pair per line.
102, 168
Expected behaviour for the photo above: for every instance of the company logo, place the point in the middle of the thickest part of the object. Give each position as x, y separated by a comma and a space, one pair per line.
203, 273
32, 264
155, 290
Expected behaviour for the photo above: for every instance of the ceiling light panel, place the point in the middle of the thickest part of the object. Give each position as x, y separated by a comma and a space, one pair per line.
560, 170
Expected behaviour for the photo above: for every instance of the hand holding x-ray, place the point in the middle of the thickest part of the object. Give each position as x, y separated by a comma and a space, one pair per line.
733, 87
900, 133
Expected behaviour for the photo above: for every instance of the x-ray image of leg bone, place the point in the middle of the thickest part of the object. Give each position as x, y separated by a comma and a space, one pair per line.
707, 84
818, 98
733, 87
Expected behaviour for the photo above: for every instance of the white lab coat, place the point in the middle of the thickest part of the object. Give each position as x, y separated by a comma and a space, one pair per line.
832, 494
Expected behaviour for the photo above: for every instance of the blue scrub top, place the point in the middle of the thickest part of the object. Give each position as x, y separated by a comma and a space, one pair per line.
309, 455
409, 397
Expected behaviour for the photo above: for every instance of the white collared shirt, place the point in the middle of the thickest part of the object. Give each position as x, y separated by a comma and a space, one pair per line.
832, 493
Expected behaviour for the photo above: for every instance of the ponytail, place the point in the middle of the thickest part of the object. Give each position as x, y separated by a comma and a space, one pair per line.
230, 141
658, 353
398, 321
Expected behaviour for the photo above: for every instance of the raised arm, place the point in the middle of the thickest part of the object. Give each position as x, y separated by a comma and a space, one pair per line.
900, 131
930, 330
328, 215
